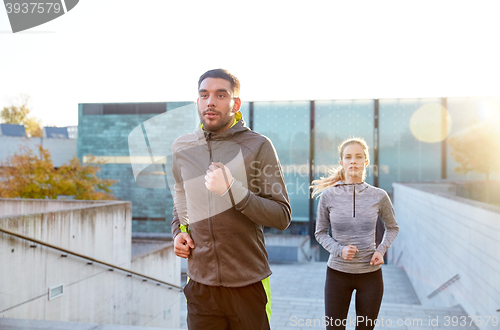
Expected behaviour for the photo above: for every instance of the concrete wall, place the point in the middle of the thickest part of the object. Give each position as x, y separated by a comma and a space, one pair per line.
442, 235
92, 293
61, 150
288, 248
161, 264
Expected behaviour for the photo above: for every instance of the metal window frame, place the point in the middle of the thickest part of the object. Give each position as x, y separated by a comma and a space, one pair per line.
58, 295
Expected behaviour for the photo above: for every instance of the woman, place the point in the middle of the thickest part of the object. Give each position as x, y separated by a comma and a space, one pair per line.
351, 207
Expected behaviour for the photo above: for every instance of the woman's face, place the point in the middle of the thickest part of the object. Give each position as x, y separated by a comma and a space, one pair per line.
354, 161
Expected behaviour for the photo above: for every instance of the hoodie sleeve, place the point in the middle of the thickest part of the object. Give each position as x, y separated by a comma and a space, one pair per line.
386, 212
268, 203
322, 228
180, 220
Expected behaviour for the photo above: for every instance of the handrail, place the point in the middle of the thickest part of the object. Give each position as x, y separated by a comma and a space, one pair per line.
89, 258
308, 258
444, 286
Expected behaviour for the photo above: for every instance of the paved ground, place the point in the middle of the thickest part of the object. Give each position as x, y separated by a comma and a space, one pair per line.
297, 301
297, 304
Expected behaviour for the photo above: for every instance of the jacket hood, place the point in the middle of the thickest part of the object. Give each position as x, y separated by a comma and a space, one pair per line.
240, 126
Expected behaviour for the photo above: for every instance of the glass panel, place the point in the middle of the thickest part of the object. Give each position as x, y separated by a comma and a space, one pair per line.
336, 121
91, 109
403, 155
287, 124
56, 291
119, 109
245, 112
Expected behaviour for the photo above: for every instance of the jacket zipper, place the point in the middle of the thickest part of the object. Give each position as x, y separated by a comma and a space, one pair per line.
354, 201
210, 220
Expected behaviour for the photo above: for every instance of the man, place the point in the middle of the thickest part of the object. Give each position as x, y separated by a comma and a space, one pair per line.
228, 185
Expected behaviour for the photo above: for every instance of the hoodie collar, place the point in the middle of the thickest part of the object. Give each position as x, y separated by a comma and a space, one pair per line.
359, 186
237, 117
237, 127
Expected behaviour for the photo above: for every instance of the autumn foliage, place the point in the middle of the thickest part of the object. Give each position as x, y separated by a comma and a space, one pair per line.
27, 175
19, 115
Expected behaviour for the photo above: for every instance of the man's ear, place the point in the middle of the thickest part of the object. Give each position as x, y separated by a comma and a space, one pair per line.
198, 101
237, 105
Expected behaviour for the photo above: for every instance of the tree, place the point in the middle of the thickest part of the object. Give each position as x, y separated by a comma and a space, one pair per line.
26, 175
33, 128
81, 180
478, 149
18, 115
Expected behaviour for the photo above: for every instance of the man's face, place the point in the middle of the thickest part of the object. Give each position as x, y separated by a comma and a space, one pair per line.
216, 105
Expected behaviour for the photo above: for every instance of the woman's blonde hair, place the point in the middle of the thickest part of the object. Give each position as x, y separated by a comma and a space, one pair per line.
337, 174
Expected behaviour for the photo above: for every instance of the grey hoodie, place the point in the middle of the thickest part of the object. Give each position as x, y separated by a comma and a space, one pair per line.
352, 214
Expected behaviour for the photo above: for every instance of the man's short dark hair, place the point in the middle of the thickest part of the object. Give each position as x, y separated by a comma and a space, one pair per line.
224, 74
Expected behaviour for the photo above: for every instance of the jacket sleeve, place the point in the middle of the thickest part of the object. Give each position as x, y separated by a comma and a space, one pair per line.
180, 220
386, 212
266, 202
322, 229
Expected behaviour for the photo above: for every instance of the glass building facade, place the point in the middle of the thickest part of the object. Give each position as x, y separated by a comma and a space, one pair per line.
407, 140
287, 125
402, 156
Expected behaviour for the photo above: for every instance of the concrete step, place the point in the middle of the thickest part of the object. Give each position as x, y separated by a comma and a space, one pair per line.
307, 280
285, 301
23, 324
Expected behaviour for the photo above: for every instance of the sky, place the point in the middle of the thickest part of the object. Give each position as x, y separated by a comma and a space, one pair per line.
155, 51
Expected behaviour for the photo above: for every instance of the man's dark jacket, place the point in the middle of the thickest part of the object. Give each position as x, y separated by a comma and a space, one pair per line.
228, 230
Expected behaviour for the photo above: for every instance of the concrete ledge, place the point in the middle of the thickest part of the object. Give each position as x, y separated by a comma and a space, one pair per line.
449, 190
288, 248
12, 207
152, 236
141, 248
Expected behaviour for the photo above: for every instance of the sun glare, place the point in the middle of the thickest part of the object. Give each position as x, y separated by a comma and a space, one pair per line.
430, 123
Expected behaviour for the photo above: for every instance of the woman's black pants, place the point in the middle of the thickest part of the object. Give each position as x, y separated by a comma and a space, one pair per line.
338, 291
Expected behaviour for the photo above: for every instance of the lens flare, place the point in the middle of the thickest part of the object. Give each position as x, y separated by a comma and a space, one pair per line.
430, 123
486, 110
